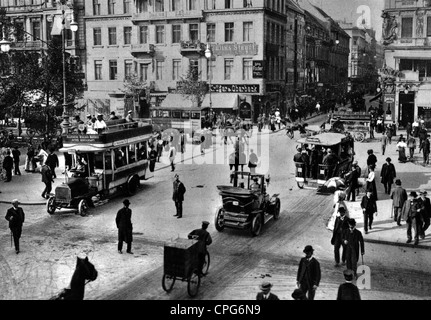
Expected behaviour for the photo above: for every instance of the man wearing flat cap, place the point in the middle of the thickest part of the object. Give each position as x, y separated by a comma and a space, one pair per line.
388, 174
398, 196
265, 293
16, 217
411, 213
347, 290
308, 277
125, 227
204, 237
425, 212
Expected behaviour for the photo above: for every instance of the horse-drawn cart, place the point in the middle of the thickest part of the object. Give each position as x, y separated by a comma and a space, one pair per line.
181, 261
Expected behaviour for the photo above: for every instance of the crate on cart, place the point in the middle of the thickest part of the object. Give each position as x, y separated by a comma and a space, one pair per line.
181, 257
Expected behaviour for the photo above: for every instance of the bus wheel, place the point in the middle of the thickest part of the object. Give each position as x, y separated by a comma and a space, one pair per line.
132, 185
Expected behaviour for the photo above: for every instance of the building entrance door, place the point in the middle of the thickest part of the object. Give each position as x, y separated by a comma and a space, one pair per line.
407, 108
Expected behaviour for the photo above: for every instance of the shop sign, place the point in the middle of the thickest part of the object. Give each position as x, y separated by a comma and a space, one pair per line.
235, 88
235, 49
258, 70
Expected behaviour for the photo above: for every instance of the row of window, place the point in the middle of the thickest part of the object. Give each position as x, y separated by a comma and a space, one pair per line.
421, 66
275, 68
143, 6
177, 33
407, 28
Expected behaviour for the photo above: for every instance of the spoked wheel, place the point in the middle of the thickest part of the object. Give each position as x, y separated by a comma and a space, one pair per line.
83, 207
50, 205
132, 185
168, 282
219, 221
206, 265
256, 225
359, 136
193, 283
277, 209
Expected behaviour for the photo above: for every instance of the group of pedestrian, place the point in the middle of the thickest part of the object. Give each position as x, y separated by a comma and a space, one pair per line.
309, 276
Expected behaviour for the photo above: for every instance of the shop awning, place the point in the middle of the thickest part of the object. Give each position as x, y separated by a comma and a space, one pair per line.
376, 97
176, 101
221, 101
423, 98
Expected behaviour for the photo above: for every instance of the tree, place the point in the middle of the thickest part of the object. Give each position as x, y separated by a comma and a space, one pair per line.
133, 89
193, 88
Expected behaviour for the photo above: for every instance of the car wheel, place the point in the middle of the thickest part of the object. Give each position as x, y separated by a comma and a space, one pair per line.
83, 207
256, 225
132, 185
50, 205
219, 221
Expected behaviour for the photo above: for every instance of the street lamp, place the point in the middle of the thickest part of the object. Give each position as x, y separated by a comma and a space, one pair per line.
4, 44
208, 55
73, 27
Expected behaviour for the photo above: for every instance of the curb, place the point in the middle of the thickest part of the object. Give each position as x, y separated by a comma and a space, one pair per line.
397, 244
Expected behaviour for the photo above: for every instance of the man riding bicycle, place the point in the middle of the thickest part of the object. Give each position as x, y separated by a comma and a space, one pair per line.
205, 238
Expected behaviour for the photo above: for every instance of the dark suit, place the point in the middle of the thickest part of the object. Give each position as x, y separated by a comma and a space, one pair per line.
47, 180
123, 221
308, 276
426, 214
348, 291
337, 238
16, 218
370, 206
178, 197
413, 218
354, 241
388, 174
353, 183
271, 296
205, 240
371, 160
399, 196
8, 166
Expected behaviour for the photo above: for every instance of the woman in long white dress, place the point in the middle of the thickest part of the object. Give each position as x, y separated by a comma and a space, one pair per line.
339, 197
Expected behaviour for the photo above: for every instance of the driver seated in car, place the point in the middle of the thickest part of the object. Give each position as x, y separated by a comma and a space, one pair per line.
80, 169
255, 186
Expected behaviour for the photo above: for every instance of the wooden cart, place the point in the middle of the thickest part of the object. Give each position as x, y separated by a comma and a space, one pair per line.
181, 261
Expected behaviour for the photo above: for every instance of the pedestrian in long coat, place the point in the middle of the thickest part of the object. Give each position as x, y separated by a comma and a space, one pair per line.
402, 145
353, 182
8, 165
347, 290
52, 161
309, 274
411, 214
398, 196
425, 148
16, 154
153, 158
388, 174
16, 217
384, 142
369, 209
341, 224
178, 196
124, 224
371, 182
353, 241
425, 212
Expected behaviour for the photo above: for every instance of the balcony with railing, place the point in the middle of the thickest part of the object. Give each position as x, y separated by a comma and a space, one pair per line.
27, 45
143, 49
192, 47
413, 42
167, 15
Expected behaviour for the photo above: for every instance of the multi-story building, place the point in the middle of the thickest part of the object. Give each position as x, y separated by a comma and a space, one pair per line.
362, 70
406, 77
37, 21
160, 40
328, 70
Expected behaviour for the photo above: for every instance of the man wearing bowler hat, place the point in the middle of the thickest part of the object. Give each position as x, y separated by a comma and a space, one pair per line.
125, 227
411, 213
353, 240
426, 212
308, 277
388, 174
205, 240
398, 196
265, 293
347, 290
16, 217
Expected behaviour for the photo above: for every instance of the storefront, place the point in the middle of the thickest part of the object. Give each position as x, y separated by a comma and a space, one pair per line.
423, 102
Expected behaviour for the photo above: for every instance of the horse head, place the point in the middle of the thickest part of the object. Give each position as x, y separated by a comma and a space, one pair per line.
87, 269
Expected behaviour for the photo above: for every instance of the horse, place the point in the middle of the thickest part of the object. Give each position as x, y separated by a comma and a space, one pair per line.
84, 271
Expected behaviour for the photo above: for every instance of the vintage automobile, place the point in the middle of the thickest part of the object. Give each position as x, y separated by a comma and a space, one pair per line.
246, 205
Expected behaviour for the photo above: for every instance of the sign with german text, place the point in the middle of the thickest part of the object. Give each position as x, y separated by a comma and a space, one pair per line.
235, 88
258, 70
234, 49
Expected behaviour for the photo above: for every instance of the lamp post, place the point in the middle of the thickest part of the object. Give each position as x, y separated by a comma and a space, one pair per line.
208, 55
73, 27
4, 43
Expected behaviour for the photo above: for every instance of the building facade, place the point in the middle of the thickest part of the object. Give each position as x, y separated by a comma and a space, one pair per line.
406, 76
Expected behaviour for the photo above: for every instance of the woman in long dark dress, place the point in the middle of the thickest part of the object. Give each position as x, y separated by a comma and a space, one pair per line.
371, 181
402, 145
